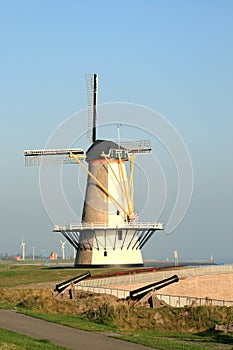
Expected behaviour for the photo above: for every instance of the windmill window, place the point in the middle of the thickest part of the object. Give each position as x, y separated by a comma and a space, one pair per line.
105, 253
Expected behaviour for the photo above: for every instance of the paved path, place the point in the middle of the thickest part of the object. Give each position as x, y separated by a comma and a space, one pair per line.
62, 335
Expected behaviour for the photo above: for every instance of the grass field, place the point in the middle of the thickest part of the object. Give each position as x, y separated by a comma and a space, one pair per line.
14, 341
13, 275
163, 328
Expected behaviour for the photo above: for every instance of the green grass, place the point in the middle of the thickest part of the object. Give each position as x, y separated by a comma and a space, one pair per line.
15, 275
181, 341
13, 341
12, 275
75, 321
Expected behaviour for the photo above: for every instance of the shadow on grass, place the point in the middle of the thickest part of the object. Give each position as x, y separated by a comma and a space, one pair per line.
60, 268
216, 336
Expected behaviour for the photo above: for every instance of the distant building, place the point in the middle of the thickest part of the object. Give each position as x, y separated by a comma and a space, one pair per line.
53, 256
18, 257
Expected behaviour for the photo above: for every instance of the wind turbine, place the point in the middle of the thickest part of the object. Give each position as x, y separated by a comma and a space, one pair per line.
23, 249
63, 248
176, 261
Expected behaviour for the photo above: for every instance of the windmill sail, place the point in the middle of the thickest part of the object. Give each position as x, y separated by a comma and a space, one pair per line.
92, 87
140, 146
51, 156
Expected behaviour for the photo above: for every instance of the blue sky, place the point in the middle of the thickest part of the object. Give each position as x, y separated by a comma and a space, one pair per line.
175, 57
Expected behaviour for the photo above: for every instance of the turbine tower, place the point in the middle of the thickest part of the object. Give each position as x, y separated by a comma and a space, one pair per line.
63, 249
109, 234
23, 249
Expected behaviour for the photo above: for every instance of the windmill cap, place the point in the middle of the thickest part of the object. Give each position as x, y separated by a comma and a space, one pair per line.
98, 148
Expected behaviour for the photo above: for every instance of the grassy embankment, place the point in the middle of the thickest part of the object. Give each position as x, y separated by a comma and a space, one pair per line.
163, 328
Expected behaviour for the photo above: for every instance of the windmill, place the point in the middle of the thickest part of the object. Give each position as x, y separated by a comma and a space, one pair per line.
63, 249
22, 246
108, 234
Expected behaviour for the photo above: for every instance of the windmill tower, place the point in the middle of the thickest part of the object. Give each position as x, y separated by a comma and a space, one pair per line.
109, 234
63, 249
23, 249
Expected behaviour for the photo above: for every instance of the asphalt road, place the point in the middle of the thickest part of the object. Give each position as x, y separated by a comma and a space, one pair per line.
62, 335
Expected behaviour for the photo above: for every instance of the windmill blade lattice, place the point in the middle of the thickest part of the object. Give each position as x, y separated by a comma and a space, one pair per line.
92, 87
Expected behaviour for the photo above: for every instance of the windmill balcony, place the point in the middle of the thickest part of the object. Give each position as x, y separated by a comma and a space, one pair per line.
101, 226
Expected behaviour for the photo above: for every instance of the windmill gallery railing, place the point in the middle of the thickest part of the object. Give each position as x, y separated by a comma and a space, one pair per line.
101, 226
